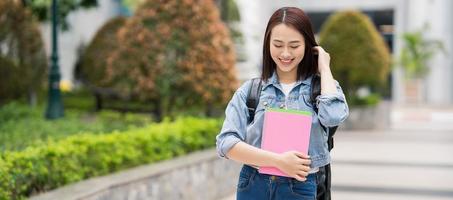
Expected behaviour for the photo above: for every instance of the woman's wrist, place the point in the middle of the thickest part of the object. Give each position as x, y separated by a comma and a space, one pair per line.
324, 70
327, 81
277, 160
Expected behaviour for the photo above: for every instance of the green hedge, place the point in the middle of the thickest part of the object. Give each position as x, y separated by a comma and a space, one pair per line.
19, 121
39, 169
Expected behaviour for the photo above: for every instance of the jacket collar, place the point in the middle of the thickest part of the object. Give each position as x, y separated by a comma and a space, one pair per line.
273, 80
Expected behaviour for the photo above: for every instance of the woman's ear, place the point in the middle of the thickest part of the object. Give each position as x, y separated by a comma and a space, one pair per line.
315, 59
315, 55
315, 51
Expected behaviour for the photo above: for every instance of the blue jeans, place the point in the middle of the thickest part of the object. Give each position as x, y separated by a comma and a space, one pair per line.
253, 185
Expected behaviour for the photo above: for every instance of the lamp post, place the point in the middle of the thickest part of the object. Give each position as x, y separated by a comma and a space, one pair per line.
55, 106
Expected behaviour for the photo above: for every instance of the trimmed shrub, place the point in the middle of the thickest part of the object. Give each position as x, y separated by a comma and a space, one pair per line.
94, 59
174, 54
23, 62
360, 56
39, 169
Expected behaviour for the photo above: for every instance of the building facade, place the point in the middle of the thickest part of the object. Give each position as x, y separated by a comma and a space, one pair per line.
392, 17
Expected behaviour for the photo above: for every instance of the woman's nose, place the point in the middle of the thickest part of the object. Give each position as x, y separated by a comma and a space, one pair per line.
285, 53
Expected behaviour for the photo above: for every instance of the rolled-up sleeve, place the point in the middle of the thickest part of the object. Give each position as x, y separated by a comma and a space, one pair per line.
234, 127
332, 108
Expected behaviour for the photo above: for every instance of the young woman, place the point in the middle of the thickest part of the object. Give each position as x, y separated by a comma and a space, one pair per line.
291, 57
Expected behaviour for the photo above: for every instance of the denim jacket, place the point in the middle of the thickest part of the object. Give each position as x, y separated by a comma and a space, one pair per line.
333, 110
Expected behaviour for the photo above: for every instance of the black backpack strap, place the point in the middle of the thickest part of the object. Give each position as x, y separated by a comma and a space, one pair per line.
315, 92
253, 97
323, 189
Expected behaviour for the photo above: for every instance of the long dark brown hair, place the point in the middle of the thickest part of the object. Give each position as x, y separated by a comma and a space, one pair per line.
296, 18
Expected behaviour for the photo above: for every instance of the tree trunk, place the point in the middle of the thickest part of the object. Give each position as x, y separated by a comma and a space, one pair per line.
32, 98
209, 110
158, 110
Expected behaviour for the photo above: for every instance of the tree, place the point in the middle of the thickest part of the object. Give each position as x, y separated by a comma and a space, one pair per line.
175, 55
92, 69
360, 56
23, 62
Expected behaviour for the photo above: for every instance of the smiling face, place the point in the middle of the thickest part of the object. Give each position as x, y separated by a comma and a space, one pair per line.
287, 48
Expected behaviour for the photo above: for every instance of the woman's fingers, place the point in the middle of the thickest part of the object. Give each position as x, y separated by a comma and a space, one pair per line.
300, 178
296, 164
304, 168
301, 155
305, 162
319, 50
302, 173
315, 51
303, 158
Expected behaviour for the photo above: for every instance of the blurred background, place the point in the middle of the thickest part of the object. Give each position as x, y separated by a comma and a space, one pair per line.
92, 88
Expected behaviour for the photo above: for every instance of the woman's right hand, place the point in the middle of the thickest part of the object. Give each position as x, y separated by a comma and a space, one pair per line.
295, 164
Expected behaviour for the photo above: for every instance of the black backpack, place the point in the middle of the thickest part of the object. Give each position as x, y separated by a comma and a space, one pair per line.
252, 102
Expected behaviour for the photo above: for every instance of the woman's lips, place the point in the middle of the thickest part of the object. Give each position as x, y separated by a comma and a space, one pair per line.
286, 61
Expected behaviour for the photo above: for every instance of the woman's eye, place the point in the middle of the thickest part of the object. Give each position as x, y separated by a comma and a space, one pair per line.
295, 47
278, 46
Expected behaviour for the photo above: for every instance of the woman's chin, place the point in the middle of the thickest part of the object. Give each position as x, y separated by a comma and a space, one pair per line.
286, 69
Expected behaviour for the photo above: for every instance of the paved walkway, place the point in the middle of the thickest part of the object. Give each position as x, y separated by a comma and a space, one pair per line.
413, 160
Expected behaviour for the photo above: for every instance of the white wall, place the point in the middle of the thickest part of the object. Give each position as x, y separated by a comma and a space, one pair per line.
439, 83
409, 15
252, 29
84, 24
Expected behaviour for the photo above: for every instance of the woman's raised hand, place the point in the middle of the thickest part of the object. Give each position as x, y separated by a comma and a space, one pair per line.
323, 59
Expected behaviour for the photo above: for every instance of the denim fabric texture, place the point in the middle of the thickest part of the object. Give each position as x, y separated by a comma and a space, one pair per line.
255, 186
332, 110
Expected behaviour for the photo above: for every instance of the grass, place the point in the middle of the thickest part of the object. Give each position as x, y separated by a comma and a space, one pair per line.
22, 125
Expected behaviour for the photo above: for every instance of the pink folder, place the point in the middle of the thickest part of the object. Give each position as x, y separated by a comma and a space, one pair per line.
285, 130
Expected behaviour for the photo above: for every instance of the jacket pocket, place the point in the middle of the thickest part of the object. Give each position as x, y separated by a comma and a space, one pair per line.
306, 102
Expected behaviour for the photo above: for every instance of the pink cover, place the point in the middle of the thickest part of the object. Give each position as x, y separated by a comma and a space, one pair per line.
285, 130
